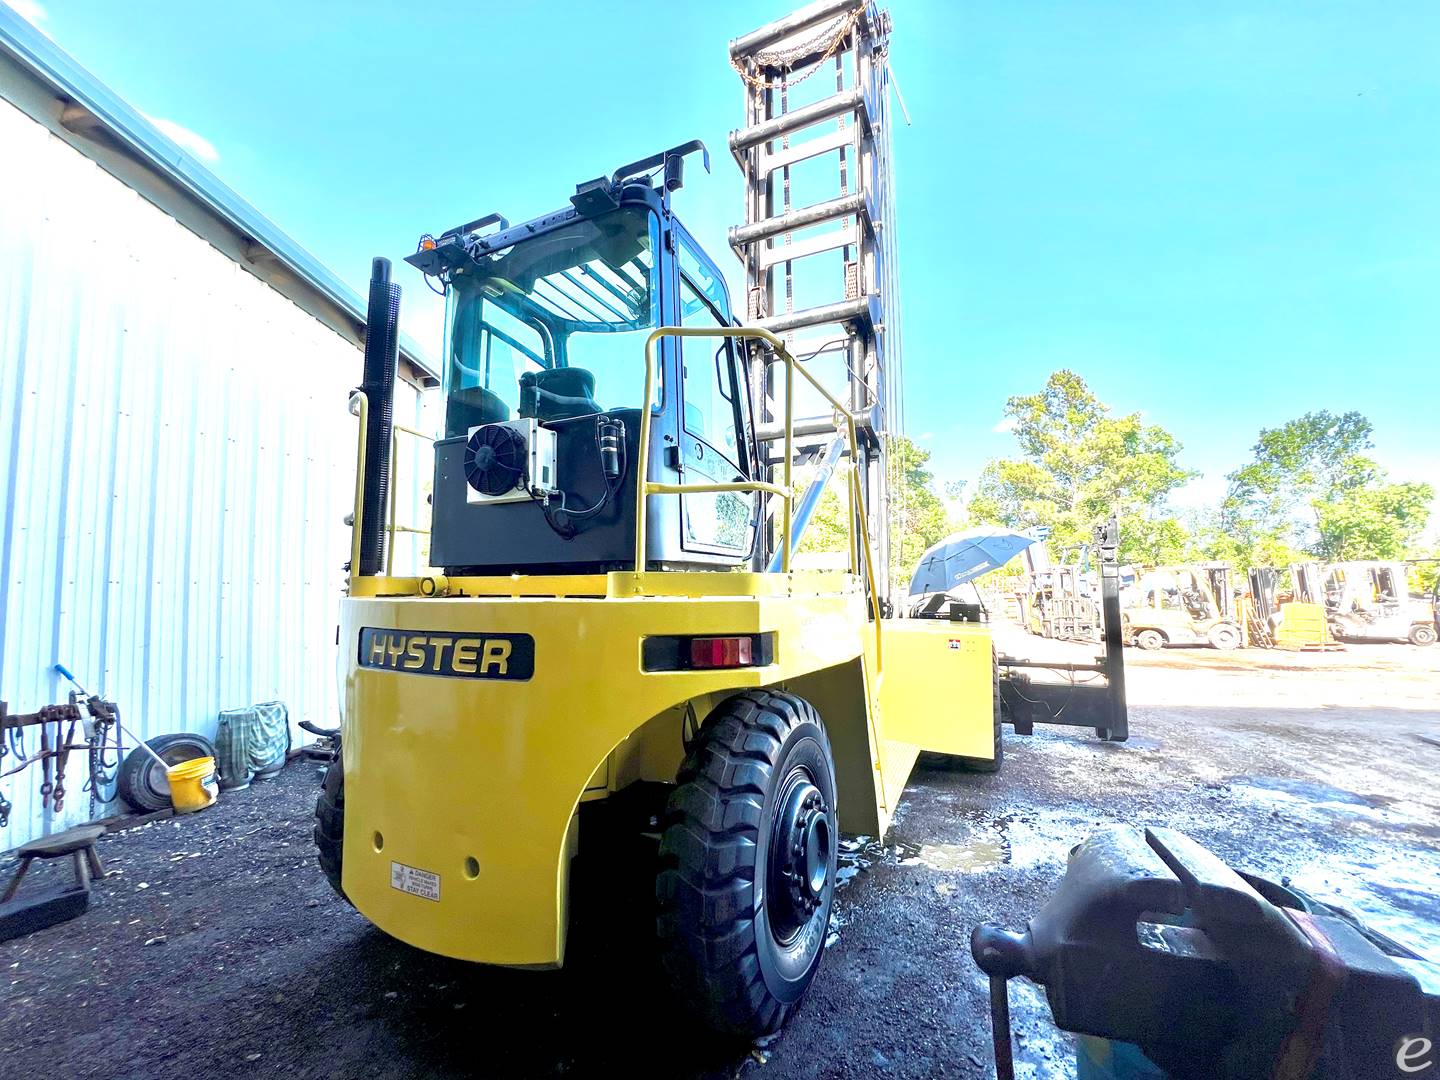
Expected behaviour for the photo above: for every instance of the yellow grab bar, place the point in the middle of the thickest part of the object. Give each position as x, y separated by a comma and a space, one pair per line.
359, 405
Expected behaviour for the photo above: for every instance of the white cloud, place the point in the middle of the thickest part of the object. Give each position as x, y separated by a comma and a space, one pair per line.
192, 142
31, 12
1007, 424
927, 436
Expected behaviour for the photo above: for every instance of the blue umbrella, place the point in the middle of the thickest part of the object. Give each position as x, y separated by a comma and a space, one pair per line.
964, 556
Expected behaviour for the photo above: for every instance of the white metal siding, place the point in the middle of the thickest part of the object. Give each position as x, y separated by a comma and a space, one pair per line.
175, 465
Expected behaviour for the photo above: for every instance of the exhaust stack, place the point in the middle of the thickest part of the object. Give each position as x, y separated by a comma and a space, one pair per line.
382, 343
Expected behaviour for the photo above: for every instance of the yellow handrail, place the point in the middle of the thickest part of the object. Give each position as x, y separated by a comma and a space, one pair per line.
645, 486
359, 405
396, 430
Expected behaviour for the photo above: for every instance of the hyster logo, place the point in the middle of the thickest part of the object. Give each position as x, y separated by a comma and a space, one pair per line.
430, 652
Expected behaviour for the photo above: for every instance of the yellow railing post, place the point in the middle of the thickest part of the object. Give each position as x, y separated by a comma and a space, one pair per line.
789, 457
390, 498
396, 430
359, 405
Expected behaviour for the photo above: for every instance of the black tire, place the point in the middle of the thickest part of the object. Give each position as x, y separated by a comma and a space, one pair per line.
1422, 634
330, 825
1150, 640
1225, 636
742, 920
142, 782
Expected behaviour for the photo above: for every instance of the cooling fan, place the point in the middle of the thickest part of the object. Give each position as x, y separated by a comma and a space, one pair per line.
495, 459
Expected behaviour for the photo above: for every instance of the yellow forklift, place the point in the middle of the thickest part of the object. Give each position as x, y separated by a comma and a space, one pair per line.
611, 610
1185, 605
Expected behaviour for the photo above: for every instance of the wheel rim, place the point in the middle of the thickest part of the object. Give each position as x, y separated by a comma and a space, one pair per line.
801, 844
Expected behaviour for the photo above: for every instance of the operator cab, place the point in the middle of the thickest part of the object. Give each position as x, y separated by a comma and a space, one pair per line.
546, 325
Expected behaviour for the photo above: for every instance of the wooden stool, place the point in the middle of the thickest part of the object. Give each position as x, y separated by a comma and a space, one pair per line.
78, 843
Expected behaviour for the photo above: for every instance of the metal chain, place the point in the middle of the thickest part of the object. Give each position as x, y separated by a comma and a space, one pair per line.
838, 31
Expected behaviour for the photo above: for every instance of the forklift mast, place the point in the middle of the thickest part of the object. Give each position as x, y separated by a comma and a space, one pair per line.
818, 241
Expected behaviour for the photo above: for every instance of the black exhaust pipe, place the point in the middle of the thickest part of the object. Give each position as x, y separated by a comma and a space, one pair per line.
382, 346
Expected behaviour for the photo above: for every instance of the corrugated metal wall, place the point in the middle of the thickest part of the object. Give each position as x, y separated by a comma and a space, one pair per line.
175, 465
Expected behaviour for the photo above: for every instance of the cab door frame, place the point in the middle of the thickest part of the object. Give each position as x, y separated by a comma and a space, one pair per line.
697, 453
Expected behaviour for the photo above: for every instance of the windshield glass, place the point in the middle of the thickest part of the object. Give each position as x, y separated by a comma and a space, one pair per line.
554, 327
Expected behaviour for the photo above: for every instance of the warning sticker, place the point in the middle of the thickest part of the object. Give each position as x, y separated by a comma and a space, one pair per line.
414, 881
955, 643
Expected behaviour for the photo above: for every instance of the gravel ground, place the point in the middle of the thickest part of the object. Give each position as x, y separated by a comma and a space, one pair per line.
216, 948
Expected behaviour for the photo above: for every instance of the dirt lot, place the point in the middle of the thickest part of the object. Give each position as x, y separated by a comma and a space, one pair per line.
216, 948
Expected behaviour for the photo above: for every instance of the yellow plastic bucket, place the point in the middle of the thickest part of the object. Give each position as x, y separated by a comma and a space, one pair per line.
192, 784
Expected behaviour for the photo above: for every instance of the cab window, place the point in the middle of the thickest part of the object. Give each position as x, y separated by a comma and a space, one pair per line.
711, 409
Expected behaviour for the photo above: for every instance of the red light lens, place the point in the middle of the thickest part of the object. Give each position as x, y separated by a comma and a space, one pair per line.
721, 652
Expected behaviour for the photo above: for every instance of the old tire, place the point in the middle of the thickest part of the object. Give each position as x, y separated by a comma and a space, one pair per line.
1422, 634
747, 862
1150, 640
330, 825
1224, 636
143, 783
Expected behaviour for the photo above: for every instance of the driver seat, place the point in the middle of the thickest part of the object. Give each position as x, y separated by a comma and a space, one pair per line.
558, 394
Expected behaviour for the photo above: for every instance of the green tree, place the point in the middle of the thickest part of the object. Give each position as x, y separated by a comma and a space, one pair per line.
1425, 571
1078, 465
918, 517
1243, 545
1310, 488
1298, 461
1371, 521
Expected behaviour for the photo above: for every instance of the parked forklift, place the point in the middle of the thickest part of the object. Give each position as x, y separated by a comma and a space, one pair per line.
1283, 621
1062, 602
1370, 601
612, 615
1185, 605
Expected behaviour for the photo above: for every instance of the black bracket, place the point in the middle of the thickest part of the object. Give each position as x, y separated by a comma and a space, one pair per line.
476, 225
673, 160
601, 194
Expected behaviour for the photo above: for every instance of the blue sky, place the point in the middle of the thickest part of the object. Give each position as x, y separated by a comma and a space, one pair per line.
1222, 214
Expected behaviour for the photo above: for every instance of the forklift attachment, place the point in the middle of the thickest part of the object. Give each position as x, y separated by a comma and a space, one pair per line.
1099, 704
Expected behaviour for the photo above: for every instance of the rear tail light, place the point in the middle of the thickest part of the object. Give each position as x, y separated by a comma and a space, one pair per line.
721, 652
709, 653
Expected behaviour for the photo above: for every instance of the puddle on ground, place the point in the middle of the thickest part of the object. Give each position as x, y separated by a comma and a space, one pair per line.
955, 858
1020, 840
